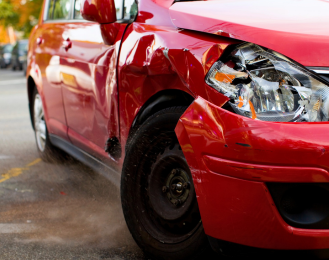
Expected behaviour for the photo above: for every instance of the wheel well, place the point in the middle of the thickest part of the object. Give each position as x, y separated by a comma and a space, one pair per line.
30, 89
161, 100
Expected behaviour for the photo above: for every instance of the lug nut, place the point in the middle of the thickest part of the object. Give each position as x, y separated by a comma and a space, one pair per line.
176, 202
164, 189
186, 185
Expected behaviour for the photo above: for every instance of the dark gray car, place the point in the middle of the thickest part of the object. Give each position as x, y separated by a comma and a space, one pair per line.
5, 55
18, 55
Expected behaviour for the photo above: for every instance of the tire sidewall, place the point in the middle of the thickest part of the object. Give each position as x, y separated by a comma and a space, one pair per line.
50, 152
189, 248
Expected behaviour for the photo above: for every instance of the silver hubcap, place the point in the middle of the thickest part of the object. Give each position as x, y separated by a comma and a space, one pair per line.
39, 123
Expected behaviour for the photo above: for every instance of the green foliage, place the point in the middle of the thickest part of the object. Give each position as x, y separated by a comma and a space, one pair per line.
21, 14
30, 12
8, 15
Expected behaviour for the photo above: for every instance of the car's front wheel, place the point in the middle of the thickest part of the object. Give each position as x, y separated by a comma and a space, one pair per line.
157, 192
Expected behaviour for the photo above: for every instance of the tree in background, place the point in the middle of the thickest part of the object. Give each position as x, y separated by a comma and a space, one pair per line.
29, 11
8, 15
21, 14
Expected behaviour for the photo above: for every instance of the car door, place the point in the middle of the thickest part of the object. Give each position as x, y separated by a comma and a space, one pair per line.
88, 72
48, 42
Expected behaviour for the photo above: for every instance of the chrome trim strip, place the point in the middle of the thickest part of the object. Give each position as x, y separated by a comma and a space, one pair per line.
59, 21
45, 13
319, 70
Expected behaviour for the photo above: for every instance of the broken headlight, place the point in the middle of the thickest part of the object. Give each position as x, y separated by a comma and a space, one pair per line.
265, 85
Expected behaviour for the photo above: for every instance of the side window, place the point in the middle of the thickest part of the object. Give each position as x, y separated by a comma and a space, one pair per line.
130, 10
77, 6
59, 9
118, 7
50, 9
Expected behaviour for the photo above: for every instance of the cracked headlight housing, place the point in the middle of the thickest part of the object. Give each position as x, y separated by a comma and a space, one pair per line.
265, 85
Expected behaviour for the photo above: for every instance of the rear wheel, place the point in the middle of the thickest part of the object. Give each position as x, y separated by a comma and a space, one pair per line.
47, 151
157, 192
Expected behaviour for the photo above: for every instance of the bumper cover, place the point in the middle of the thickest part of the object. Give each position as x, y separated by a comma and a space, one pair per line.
231, 157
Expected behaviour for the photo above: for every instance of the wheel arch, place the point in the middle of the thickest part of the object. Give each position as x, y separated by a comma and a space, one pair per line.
161, 100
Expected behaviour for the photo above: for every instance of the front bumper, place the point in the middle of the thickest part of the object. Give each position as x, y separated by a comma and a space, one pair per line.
233, 157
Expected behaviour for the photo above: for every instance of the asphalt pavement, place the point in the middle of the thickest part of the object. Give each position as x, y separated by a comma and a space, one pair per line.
52, 211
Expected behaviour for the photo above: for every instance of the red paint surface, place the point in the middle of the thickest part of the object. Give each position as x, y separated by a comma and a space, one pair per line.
90, 91
297, 29
265, 173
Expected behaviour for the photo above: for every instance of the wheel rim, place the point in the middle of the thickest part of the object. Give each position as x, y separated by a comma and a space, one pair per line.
39, 123
170, 212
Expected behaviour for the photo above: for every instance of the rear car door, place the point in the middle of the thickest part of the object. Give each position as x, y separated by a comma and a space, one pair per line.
88, 72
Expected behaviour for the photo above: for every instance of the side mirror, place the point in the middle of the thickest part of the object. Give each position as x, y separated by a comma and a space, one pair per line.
101, 11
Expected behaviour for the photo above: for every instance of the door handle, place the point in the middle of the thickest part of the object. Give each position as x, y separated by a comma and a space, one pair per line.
39, 40
67, 44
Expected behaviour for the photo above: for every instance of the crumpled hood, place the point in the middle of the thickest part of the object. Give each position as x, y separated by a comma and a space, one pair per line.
298, 29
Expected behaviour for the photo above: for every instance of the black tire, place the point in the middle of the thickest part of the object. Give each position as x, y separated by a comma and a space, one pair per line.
164, 222
47, 151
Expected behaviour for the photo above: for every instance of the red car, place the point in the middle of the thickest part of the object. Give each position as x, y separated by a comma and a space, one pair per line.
212, 116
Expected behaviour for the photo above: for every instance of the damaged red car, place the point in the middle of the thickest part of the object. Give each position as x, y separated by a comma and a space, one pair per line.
211, 116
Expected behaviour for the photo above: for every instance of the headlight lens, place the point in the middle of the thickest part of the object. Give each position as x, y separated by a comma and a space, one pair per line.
265, 85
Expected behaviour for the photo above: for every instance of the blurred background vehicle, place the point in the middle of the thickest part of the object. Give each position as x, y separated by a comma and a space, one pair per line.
18, 55
5, 55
